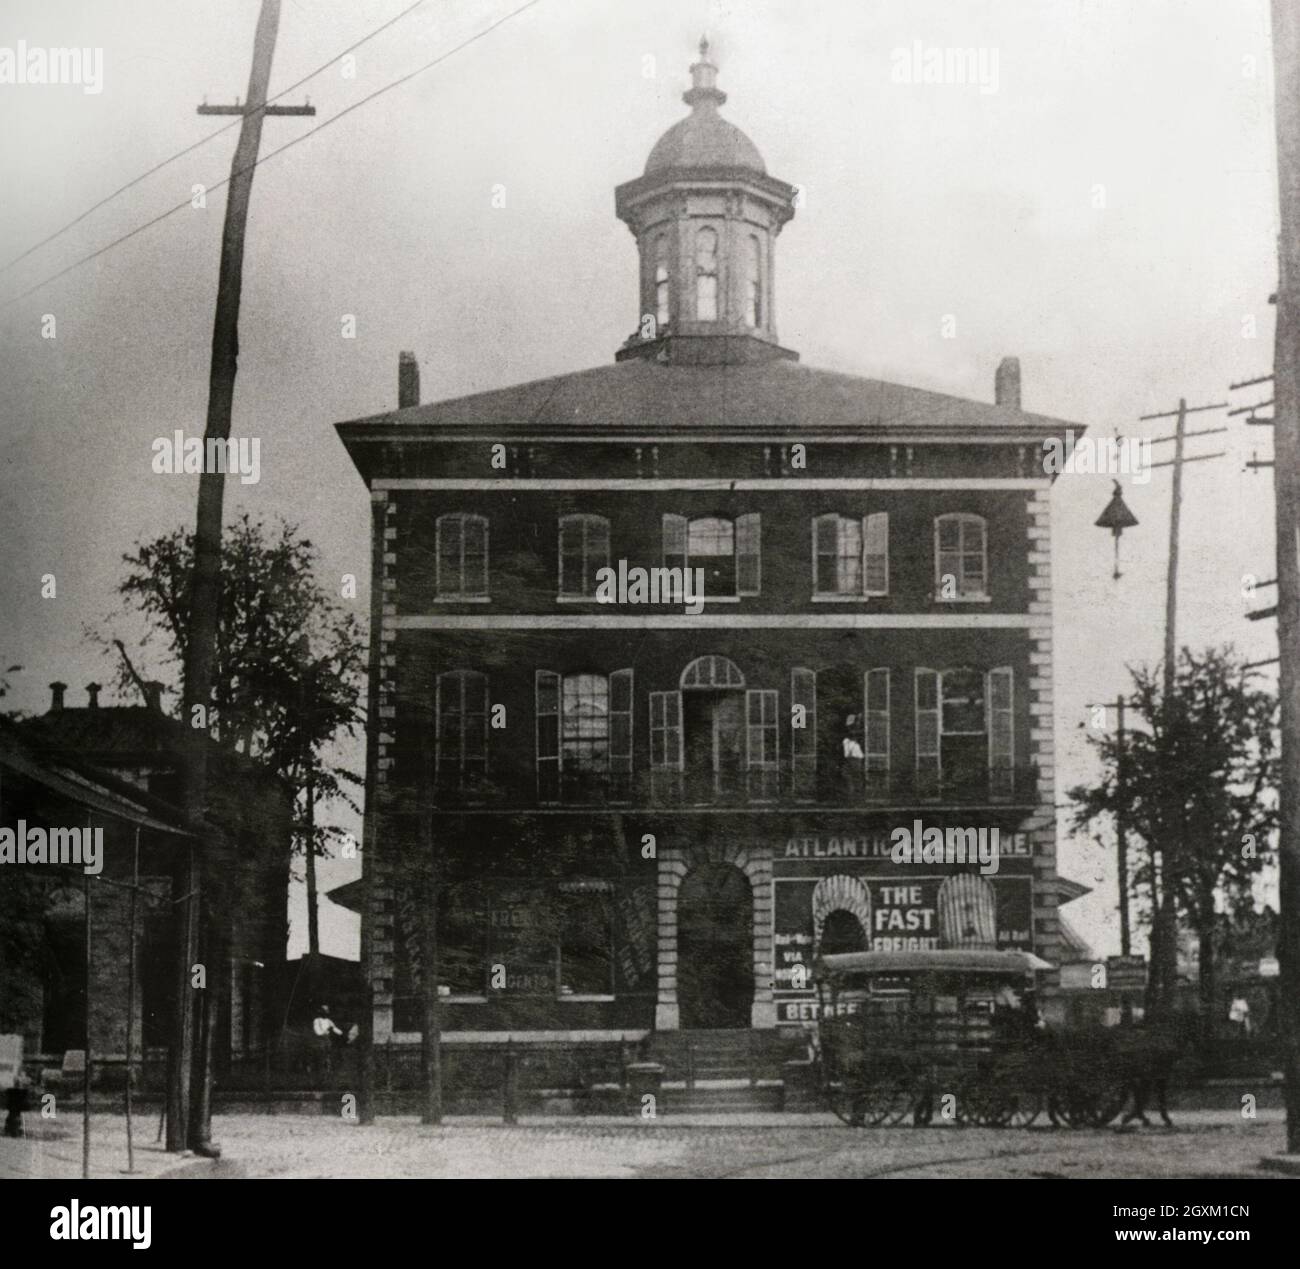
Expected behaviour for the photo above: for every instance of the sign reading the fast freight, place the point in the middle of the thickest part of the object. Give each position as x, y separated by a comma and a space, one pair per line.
841, 913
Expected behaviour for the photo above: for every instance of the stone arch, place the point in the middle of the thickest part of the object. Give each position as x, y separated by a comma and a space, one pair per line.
839, 893
674, 865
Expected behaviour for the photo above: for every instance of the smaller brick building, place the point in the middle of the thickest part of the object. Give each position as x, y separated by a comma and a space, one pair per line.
119, 768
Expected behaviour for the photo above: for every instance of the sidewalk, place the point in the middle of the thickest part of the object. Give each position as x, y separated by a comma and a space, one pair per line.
52, 1148
762, 1144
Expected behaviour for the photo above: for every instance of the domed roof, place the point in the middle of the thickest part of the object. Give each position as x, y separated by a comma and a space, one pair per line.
704, 138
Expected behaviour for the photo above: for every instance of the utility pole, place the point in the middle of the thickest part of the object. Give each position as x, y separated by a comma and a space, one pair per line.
1121, 835
189, 1067
1164, 924
431, 1029
1286, 486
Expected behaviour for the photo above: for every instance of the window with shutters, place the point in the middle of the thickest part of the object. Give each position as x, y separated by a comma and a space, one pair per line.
960, 557
728, 551
584, 551
462, 556
850, 556
584, 736
461, 719
965, 733
762, 734
803, 733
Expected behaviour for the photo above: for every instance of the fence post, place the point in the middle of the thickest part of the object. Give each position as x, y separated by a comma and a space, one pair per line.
509, 1090
690, 1064
749, 1049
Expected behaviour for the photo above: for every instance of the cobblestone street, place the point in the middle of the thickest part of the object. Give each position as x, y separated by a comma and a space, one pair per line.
1205, 1144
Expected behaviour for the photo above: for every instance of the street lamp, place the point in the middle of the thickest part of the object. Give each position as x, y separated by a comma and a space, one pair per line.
1116, 517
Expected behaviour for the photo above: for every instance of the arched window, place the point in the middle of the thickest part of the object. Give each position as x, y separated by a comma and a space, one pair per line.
754, 283
584, 551
960, 557
661, 280
706, 275
460, 750
712, 671
462, 551
584, 735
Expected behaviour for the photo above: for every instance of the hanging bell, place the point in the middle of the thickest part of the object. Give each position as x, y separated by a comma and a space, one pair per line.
1116, 517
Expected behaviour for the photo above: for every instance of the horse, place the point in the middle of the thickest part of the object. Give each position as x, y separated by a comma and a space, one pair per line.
1147, 1054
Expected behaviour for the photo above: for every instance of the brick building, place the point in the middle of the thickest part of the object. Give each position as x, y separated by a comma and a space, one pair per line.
646, 817
135, 750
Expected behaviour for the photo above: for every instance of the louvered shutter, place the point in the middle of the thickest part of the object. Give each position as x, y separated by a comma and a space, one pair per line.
620, 734
548, 736
875, 554
876, 711
803, 740
928, 769
749, 559
1001, 732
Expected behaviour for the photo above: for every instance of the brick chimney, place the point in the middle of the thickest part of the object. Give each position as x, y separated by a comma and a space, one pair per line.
92, 691
56, 696
1006, 383
153, 691
408, 380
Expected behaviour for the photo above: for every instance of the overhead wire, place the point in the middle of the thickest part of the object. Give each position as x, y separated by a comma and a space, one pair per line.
288, 145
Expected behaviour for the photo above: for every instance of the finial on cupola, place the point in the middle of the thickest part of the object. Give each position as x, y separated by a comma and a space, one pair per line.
704, 80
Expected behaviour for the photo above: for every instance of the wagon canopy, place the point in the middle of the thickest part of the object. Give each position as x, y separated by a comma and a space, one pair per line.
946, 961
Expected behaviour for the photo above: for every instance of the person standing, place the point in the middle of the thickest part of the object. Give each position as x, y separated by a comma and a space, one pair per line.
324, 1029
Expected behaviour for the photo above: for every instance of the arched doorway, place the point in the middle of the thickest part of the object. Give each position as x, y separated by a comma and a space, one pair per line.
713, 724
715, 947
842, 932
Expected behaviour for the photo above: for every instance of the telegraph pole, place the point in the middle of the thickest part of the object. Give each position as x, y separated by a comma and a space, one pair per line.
187, 1093
1164, 924
1121, 835
1286, 487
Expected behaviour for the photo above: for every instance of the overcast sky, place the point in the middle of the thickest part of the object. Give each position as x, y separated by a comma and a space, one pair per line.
1107, 215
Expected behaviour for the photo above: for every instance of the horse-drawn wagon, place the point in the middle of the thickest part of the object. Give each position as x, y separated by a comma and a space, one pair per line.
902, 1033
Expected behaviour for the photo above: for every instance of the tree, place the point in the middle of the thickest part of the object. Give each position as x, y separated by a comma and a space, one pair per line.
1197, 796
290, 661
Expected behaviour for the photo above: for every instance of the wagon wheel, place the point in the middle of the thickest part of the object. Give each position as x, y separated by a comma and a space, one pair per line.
982, 1104
1088, 1107
887, 1100
1019, 1109
845, 1098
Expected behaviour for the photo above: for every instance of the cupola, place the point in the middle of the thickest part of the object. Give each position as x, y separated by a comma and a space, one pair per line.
705, 215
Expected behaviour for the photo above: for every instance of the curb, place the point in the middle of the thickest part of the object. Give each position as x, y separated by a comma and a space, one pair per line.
1287, 1164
